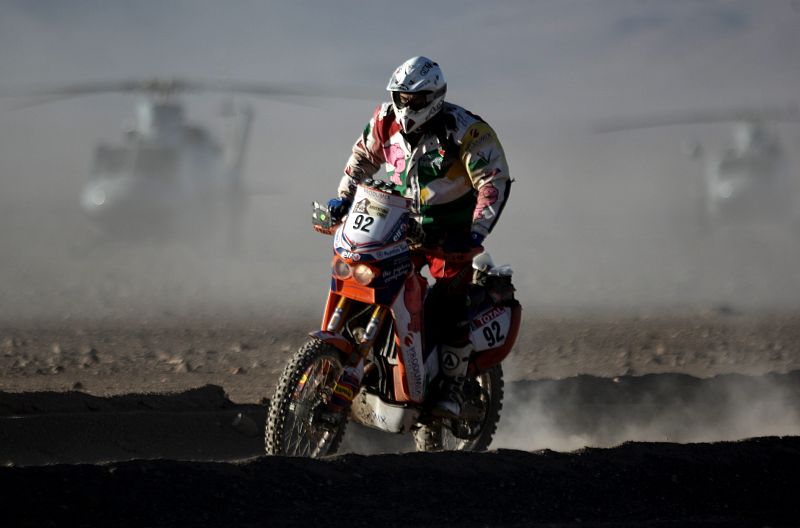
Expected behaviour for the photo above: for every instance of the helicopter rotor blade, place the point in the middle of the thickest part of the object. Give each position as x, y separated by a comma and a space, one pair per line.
38, 100
78, 89
36, 95
784, 114
274, 90
164, 87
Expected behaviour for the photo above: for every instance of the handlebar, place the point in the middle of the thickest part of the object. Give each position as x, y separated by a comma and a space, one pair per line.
323, 223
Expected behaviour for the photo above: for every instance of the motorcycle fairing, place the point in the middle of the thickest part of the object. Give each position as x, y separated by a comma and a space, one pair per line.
374, 234
353, 290
384, 288
410, 373
374, 221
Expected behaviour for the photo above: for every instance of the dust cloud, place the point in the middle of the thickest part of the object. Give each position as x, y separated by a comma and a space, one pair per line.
564, 415
575, 413
594, 223
584, 231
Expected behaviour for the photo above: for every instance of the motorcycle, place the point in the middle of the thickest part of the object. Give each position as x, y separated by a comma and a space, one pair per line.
372, 361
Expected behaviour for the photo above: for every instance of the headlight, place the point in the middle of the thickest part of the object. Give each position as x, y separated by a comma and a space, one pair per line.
341, 269
363, 274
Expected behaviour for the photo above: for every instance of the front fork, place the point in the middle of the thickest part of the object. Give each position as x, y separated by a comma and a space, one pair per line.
335, 325
349, 381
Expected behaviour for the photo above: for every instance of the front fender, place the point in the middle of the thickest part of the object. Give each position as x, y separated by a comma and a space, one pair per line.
334, 339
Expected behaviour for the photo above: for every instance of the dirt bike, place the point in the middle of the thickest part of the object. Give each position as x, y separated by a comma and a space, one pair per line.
372, 360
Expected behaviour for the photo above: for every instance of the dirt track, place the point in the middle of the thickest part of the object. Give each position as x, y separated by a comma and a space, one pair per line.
572, 382
246, 357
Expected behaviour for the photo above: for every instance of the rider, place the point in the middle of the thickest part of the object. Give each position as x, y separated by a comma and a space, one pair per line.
451, 165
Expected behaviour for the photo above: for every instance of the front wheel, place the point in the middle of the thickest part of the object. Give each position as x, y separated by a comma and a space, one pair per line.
298, 422
483, 402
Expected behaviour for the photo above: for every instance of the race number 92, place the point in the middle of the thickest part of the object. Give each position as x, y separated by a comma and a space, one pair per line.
362, 222
493, 334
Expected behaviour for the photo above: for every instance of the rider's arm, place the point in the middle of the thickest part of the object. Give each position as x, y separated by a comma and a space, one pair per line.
367, 156
487, 168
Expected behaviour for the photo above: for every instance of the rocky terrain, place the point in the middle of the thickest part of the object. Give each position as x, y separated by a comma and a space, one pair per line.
608, 421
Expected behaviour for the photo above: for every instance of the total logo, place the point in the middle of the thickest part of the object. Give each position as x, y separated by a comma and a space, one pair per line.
487, 317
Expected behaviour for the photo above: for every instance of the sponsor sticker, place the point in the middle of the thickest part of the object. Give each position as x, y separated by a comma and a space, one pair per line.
361, 207
488, 316
397, 273
350, 255
376, 195
413, 365
391, 252
376, 210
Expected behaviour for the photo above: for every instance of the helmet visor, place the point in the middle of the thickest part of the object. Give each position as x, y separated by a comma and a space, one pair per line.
415, 101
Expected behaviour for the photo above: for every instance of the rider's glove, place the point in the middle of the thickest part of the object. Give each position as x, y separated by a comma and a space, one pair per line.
338, 207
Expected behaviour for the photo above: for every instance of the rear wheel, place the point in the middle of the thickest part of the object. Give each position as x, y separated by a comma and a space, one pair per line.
298, 421
482, 405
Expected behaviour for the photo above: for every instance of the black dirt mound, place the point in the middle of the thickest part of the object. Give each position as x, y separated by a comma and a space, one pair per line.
203, 424
746, 483
74, 427
206, 398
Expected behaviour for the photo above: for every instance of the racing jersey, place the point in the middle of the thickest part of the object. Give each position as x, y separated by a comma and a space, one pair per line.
455, 171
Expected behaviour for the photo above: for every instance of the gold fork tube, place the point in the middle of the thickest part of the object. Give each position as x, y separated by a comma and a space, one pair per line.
337, 320
374, 325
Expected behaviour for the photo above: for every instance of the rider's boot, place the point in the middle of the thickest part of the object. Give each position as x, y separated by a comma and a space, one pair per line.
453, 362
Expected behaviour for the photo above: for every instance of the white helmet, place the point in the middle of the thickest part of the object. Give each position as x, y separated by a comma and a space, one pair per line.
418, 89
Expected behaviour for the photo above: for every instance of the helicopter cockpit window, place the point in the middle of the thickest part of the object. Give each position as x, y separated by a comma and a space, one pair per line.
156, 162
110, 159
200, 138
760, 164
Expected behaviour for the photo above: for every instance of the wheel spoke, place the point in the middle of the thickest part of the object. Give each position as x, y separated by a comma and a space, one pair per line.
303, 437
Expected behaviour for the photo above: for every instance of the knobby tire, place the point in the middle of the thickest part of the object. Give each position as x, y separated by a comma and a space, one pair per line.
290, 432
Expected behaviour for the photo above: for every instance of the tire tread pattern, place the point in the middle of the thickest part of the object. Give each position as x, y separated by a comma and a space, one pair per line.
311, 351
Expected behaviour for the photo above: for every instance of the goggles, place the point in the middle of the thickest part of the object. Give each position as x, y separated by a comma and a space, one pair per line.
414, 101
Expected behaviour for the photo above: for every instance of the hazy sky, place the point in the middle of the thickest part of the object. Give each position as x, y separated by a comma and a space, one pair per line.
518, 58
539, 71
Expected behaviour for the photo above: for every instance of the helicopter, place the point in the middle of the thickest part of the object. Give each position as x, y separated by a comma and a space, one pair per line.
167, 176
749, 180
